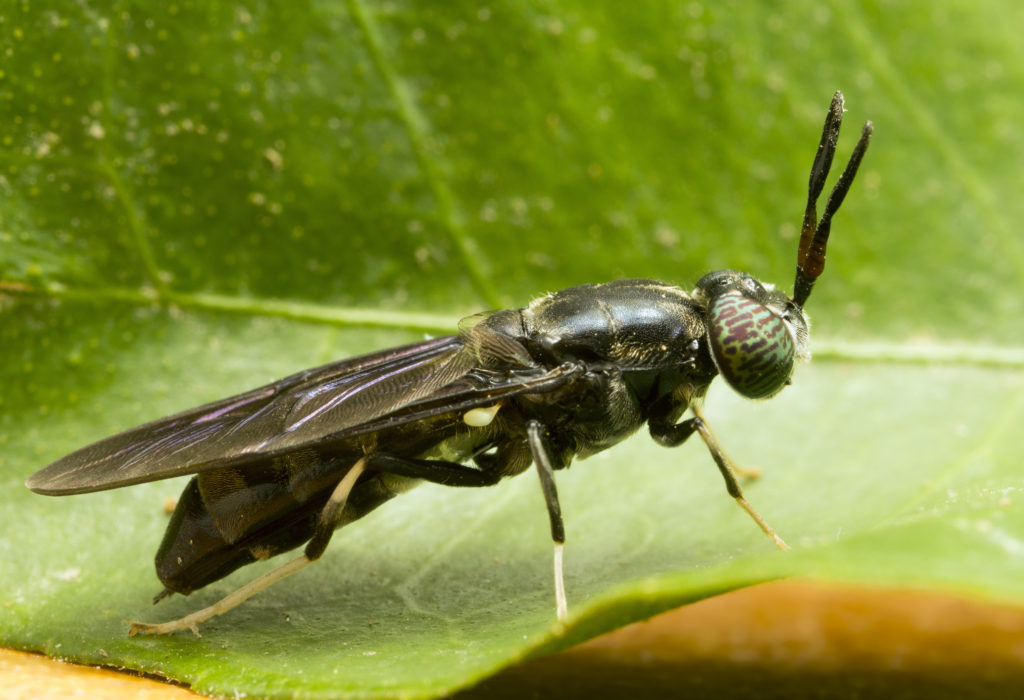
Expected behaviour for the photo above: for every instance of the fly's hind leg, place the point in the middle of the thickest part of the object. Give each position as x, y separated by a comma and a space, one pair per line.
432, 470
329, 514
446, 473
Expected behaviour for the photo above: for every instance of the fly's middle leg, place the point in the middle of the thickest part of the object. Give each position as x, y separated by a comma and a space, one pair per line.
546, 470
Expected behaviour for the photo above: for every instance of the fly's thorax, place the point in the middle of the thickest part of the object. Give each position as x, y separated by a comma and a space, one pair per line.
630, 324
756, 334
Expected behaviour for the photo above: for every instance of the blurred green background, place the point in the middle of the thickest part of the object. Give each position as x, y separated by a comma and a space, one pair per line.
200, 196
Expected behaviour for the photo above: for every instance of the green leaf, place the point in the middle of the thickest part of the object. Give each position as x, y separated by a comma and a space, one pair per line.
199, 198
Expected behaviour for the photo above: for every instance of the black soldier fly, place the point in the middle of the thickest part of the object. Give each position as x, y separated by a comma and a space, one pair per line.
568, 375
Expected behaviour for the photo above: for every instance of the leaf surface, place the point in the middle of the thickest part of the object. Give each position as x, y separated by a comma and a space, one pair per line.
202, 197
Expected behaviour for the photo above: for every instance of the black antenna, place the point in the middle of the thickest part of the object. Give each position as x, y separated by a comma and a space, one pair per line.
810, 257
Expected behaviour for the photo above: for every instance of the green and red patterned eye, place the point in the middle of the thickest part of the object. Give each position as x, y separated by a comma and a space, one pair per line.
751, 345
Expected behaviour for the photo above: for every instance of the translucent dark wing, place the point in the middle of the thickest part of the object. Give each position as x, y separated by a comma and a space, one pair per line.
479, 387
315, 408
294, 411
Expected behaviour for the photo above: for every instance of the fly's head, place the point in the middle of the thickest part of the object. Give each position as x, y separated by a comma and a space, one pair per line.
756, 333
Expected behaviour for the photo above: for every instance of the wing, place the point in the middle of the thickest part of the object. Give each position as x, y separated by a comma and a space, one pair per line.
317, 407
292, 411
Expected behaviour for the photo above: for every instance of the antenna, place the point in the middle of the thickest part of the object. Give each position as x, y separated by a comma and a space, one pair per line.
810, 257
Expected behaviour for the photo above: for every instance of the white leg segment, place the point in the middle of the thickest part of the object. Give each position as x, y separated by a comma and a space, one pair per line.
233, 599
561, 602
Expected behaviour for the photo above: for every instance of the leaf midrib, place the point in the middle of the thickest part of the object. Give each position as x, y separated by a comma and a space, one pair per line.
942, 352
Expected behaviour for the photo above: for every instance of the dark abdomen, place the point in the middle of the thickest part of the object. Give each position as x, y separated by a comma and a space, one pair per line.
213, 532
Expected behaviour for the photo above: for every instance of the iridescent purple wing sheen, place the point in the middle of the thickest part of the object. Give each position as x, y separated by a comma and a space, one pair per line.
300, 409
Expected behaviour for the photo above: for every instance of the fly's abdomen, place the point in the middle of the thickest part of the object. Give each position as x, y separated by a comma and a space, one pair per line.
231, 516
195, 552
211, 535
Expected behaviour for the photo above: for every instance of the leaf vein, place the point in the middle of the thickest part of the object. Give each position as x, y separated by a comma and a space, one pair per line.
136, 226
416, 130
881, 352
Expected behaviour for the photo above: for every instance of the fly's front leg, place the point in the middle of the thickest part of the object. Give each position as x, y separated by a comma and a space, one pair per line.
546, 471
745, 472
674, 435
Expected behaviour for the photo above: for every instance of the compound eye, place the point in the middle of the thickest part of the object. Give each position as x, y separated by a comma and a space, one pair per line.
751, 346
